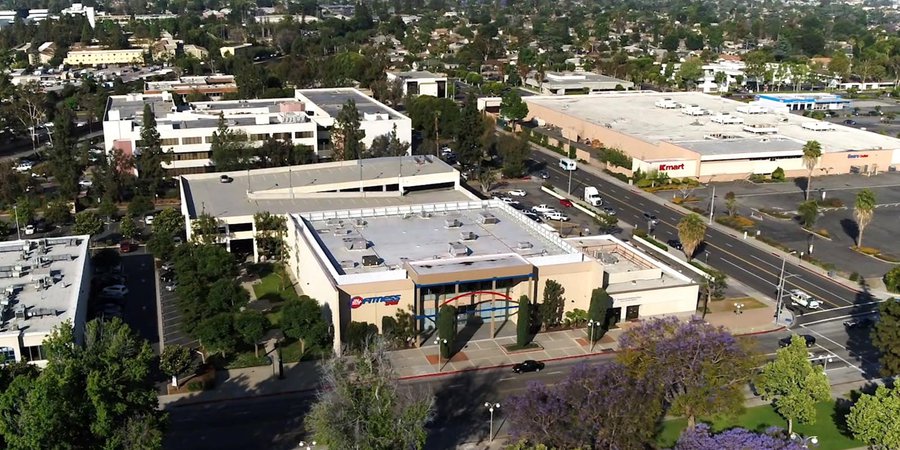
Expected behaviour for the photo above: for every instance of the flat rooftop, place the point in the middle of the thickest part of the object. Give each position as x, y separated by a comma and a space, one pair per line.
618, 257
419, 75
39, 287
131, 106
331, 100
488, 237
295, 189
636, 114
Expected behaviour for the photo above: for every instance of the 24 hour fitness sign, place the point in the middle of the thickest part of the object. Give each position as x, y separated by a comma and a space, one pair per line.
389, 300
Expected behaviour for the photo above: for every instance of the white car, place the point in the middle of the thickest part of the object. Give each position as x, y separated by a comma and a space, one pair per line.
556, 215
115, 291
24, 166
509, 200
29, 230
517, 192
542, 209
148, 220
85, 183
805, 300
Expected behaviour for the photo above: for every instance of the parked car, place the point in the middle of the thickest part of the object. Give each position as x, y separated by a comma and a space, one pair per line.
225, 179
810, 340
556, 215
544, 174
509, 200
168, 276
533, 216
675, 243
127, 246
542, 209
24, 166
167, 266
148, 220
85, 183
29, 229
529, 365
849, 122
803, 299
565, 202
859, 322
517, 192
170, 287
115, 291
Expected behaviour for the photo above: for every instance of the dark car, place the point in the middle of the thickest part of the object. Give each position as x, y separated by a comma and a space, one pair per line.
167, 277
528, 366
810, 340
860, 322
675, 243
849, 122
533, 216
127, 246
651, 218
545, 174
225, 179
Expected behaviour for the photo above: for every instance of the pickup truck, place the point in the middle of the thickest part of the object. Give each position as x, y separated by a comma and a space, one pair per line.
542, 209
805, 300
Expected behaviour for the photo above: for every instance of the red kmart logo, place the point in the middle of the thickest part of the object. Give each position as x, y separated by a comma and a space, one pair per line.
671, 166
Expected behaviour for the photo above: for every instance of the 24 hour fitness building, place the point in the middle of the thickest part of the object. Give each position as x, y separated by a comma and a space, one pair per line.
690, 134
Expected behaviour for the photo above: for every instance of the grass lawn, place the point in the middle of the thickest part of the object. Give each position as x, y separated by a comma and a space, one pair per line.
269, 288
760, 418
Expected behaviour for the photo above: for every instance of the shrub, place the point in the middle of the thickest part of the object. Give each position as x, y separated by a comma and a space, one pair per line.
778, 174
892, 279
620, 176
446, 325
576, 318
830, 203
739, 223
196, 386
854, 276
523, 324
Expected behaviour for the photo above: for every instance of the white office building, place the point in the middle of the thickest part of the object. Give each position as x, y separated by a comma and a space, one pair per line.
421, 83
304, 119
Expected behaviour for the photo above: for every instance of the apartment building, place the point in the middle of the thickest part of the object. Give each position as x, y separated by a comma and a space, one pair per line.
98, 56
304, 119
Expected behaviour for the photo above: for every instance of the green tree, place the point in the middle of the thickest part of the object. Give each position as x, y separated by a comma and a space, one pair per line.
689, 72
551, 310
730, 203
346, 135
446, 329
523, 322
128, 227
839, 64
387, 145
251, 326
892, 279
217, 334
712, 287
512, 107
25, 210
167, 224
863, 211
152, 155
607, 223
886, 334
778, 174
468, 134
174, 361
812, 151
302, 319
229, 149
691, 232
140, 205
361, 405
514, 151
205, 229
875, 419
57, 212
87, 395
598, 312
809, 212
88, 222
793, 384
360, 335
487, 178
63, 156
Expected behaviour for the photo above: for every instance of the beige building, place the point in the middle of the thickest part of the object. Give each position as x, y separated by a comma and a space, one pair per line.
97, 56
689, 134
43, 284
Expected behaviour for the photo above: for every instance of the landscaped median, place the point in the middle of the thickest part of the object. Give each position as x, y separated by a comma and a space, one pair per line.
875, 253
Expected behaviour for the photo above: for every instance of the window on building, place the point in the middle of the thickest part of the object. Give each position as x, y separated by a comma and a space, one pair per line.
7, 354
303, 134
259, 137
33, 353
192, 140
168, 141
235, 227
208, 139
282, 136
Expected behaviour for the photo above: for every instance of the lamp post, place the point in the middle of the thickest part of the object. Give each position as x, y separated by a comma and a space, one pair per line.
712, 204
591, 325
304, 444
439, 342
778, 302
18, 232
491, 407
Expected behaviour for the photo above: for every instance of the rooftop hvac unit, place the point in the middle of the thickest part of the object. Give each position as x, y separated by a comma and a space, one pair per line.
348, 264
19, 312
458, 249
524, 245
487, 218
356, 244
452, 223
361, 222
467, 235
334, 222
370, 260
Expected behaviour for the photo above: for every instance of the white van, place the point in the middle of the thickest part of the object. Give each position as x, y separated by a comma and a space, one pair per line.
567, 164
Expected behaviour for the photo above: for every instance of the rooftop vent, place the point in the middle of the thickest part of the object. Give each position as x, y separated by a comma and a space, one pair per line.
524, 245
452, 223
370, 260
348, 264
334, 222
356, 243
467, 235
487, 218
458, 249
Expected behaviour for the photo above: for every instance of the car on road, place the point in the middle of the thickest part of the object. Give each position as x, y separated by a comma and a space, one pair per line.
544, 174
803, 299
859, 322
225, 179
556, 215
565, 202
85, 183
849, 122
115, 291
808, 338
517, 192
651, 218
542, 209
609, 211
675, 243
127, 246
528, 365
29, 229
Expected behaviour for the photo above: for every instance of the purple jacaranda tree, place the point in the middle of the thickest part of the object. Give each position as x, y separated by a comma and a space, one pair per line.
596, 407
700, 369
701, 437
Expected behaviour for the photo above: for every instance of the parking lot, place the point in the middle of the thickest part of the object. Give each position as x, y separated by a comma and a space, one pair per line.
138, 306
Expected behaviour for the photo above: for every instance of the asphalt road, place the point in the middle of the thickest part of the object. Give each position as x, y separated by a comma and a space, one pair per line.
740, 260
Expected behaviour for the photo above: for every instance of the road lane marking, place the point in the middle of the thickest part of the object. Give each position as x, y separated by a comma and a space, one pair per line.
751, 273
729, 245
507, 378
847, 316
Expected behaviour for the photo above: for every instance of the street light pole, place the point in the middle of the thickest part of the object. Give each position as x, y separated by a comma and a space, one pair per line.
439, 342
18, 232
591, 325
491, 407
778, 301
712, 204
569, 189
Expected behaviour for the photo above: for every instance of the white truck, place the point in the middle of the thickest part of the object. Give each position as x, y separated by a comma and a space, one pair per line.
803, 299
592, 196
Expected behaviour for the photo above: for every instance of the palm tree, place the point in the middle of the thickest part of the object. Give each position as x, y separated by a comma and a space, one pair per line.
812, 151
691, 230
864, 209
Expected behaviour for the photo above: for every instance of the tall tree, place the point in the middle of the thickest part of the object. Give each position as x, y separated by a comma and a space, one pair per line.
152, 155
446, 330
523, 322
362, 406
346, 135
809, 213
596, 406
598, 311
700, 369
302, 319
863, 211
229, 149
88, 222
29, 107
514, 151
812, 151
875, 419
387, 145
691, 232
251, 326
174, 361
88, 395
551, 310
512, 107
468, 134
886, 334
793, 384
217, 334
63, 156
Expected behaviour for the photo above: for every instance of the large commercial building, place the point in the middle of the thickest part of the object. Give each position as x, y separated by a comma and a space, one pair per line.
97, 56
212, 86
304, 119
43, 283
568, 83
689, 134
369, 239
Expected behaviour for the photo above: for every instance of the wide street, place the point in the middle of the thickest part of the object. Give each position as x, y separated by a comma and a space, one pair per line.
740, 260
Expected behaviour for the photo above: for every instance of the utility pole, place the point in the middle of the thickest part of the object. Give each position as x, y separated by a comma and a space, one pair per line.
712, 204
437, 134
